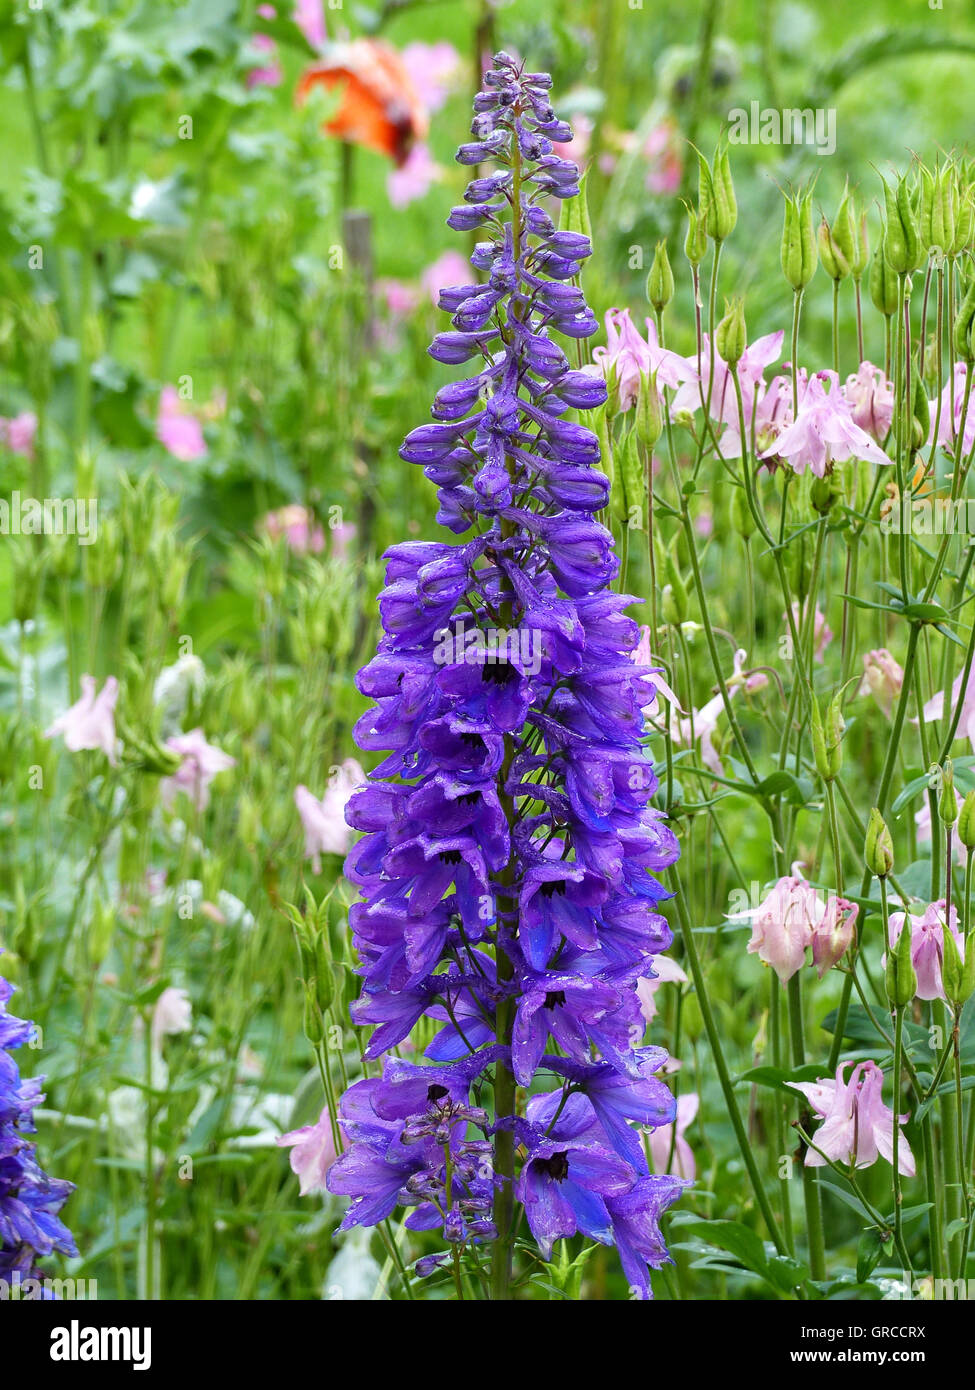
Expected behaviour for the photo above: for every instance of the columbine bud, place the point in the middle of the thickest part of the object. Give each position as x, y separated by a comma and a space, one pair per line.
899, 976
729, 336
649, 413
947, 801
835, 263
314, 1024
696, 241
936, 214
844, 230
902, 246
964, 220
798, 242
883, 283
833, 934
827, 739
878, 852
861, 252
660, 281
961, 331
719, 207
958, 975
966, 822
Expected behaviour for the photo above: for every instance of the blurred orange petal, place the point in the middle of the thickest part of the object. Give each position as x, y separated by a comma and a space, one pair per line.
379, 108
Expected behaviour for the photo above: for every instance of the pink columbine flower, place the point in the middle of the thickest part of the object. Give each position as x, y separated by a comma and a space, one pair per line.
949, 421
324, 821
870, 397
90, 722
17, 432
297, 526
270, 74
857, 1127
824, 431
342, 536
705, 720
414, 178
201, 761
434, 69
310, 19
783, 925
882, 678
822, 632
177, 428
312, 1153
723, 405
577, 148
173, 1014
934, 709
682, 1164
662, 151
449, 269
400, 299
928, 945
833, 933
666, 971
630, 354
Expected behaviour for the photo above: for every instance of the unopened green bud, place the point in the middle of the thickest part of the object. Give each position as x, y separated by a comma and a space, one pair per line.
798, 254
101, 929
724, 206
966, 822
741, 515
947, 801
878, 852
314, 1023
883, 283
957, 975
649, 412
900, 978
324, 977
729, 336
961, 331
835, 263
844, 231
660, 281
902, 245
696, 241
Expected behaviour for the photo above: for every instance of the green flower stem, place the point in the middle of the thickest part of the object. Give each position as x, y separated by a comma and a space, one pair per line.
810, 1187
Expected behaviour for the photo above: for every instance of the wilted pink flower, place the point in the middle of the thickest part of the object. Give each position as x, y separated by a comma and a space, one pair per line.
313, 1153
298, 527
449, 269
90, 722
949, 421
824, 431
833, 933
822, 633
177, 428
857, 1127
870, 397
17, 433
662, 151
414, 177
324, 821
201, 761
935, 707
783, 925
666, 971
630, 354
434, 69
724, 400
682, 1165
882, 678
928, 945
173, 1014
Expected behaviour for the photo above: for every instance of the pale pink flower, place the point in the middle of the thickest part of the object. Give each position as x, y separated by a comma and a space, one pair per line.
343, 537
18, 432
177, 428
201, 761
928, 945
312, 1153
857, 1127
948, 421
922, 827
297, 526
270, 74
449, 269
577, 148
90, 722
723, 405
326, 831
630, 355
833, 933
934, 709
414, 178
682, 1165
400, 299
705, 721
662, 151
822, 633
823, 432
434, 69
666, 971
783, 925
870, 397
882, 678
173, 1014
310, 18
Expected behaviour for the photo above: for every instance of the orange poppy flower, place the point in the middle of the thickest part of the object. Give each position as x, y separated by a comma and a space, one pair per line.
379, 107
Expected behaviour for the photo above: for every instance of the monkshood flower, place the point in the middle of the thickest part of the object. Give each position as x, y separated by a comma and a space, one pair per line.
30, 1201
824, 431
857, 1127
90, 722
508, 849
928, 944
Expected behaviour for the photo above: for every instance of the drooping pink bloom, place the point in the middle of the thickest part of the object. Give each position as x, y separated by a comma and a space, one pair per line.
857, 1127
326, 831
935, 707
783, 925
822, 632
723, 404
201, 761
949, 422
312, 1153
449, 269
414, 178
870, 397
297, 526
824, 431
928, 945
630, 354
682, 1165
882, 678
173, 1014
17, 432
662, 149
434, 69
701, 728
833, 933
666, 971
177, 428
90, 722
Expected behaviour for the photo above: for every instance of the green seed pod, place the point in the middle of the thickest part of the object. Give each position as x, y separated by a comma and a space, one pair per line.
966, 822
798, 253
574, 213
324, 978
844, 230
835, 263
730, 334
660, 281
878, 852
883, 283
861, 254
900, 979
677, 587
964, 221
